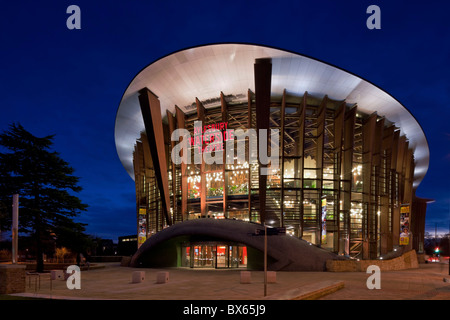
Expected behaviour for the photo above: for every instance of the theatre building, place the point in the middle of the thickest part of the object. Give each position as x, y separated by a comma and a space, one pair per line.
346, 159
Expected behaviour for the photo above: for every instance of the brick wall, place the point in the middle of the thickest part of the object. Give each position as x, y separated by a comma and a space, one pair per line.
12, 278
406, 261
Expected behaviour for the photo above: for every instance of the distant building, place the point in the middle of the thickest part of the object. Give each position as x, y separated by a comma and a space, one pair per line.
350, 159
105, 247
127, 245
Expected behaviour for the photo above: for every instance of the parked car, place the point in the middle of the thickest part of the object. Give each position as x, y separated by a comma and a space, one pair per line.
433, 259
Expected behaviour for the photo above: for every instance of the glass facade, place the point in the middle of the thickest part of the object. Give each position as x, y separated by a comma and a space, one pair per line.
215, 255
341, 179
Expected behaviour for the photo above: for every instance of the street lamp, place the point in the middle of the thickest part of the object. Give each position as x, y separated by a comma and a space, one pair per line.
265, 260
15, 228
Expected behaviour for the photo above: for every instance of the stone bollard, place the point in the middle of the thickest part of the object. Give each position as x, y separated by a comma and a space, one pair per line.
246, 277
138, 276
162, 277
56, 274
271, 277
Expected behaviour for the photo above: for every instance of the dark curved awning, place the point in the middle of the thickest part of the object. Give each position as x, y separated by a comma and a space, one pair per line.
288, 253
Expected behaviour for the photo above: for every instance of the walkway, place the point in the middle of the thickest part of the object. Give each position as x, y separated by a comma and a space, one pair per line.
114, 282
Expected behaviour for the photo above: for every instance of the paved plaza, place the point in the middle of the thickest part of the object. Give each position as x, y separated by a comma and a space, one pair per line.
112, 281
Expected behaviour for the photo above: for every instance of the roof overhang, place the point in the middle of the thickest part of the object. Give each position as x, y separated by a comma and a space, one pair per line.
285, 252
205, 71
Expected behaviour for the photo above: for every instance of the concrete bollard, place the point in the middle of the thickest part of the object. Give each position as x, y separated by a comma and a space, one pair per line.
56, 274
271, 277
67, 275
138, 276
246, 277
162, 277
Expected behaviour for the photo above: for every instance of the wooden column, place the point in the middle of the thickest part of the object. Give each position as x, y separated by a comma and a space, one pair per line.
338, 129
386, 148
138, 159
263, 85
409, 176
282, 116
367, 157
396, 211
138, 166
395, 201
172, 127
249, 125
408, 193
378, 175
180, 117
347, 166
319, 161
418, 213
300, 146
151, 113
224, 110
147, 169
201, 116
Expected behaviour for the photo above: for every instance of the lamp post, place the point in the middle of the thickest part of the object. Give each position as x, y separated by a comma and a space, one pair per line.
15, 228
265, 260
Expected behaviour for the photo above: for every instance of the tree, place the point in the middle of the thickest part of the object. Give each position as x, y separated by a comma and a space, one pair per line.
45, 184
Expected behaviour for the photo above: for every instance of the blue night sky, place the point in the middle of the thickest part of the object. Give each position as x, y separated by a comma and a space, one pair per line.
69, 82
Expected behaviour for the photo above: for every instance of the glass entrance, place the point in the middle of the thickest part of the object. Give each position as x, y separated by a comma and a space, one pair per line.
221, 255
203, 257
238, 256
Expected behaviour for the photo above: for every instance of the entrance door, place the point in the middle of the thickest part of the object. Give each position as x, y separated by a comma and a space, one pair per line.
234, 257
222, 256
219, 255
238, 256
203, 257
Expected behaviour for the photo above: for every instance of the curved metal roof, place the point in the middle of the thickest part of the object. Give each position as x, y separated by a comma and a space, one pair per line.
205, 71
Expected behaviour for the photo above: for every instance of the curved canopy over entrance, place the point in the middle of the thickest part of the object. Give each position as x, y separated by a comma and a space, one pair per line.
285, 253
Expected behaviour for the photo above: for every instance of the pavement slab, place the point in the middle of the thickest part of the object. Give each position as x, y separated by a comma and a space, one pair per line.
114, 282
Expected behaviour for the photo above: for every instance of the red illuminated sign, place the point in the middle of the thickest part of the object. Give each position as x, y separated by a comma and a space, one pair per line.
211, 137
